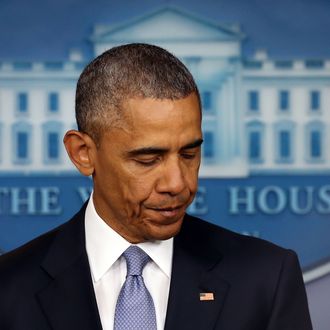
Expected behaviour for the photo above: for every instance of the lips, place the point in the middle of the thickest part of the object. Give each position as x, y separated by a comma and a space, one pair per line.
170, 208
171, 212
167, 209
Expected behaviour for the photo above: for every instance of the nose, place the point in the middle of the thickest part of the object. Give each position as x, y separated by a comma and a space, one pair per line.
171, 179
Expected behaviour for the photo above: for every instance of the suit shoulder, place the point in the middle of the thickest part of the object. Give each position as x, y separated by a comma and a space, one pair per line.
232, 242
253, 256
32, 252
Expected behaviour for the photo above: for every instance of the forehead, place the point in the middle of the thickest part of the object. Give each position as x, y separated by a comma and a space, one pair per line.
152, 112
149, 121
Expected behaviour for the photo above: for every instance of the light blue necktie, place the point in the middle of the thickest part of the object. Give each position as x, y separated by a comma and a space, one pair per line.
135, 308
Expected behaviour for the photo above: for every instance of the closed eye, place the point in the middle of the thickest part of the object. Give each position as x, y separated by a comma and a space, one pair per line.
188, 156
146, 162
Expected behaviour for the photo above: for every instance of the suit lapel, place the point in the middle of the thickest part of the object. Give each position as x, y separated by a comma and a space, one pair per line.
69, 301
194, 271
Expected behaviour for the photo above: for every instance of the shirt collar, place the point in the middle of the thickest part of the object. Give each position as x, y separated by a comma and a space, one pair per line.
104, 246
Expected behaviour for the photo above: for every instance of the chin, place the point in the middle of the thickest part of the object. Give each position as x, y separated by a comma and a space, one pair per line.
164, 232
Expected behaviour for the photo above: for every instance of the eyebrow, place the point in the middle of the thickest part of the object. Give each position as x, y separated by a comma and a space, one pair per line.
156, 150
192, 145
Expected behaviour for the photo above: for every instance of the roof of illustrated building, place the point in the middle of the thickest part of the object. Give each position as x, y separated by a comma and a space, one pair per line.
173, 22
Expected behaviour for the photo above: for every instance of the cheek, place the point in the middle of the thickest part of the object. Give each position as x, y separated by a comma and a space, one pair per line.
135, 193
192, 178
137, 190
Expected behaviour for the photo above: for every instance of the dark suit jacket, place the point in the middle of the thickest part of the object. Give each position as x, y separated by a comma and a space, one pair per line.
47, 284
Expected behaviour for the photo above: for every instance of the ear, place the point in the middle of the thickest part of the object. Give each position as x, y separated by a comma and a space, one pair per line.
80, 148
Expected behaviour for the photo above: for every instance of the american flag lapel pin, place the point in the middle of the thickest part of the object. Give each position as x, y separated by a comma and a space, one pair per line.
206, 296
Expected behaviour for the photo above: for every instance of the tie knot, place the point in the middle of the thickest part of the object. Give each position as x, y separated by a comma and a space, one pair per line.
136, 259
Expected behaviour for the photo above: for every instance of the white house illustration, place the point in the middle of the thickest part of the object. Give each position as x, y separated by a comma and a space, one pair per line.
259, 115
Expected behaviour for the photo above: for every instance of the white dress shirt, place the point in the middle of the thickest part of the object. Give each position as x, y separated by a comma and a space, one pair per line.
108, 268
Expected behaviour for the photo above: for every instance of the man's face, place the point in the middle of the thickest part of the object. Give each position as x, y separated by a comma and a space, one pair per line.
145, 171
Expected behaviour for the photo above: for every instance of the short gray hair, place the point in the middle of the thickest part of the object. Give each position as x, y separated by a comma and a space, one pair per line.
124, 72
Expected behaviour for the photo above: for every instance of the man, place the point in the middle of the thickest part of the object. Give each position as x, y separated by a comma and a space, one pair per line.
139, 137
